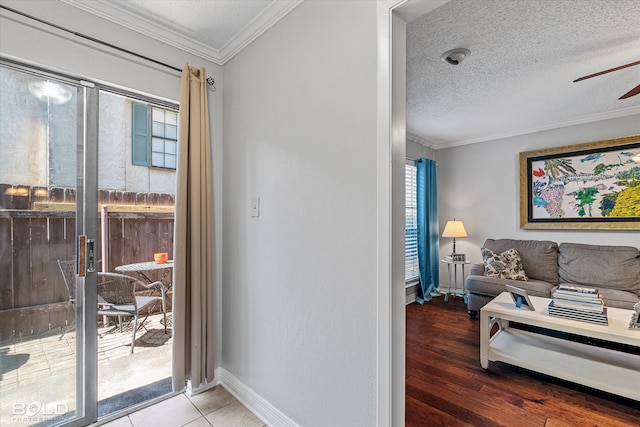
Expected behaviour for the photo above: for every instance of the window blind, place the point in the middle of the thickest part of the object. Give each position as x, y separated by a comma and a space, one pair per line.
411, 271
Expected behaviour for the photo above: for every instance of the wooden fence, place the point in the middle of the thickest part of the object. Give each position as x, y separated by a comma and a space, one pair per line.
37, 228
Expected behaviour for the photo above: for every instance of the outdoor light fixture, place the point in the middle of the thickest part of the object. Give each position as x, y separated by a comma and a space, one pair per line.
454, 229
46, 90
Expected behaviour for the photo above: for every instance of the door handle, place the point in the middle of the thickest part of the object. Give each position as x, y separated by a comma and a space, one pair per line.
91, 256
86, 256
82, 255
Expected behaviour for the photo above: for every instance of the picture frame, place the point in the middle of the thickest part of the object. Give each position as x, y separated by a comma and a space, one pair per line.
583, 186
634, 323
459, 257
520, 297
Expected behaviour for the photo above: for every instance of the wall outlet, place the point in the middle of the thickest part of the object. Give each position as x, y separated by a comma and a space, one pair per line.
255, 207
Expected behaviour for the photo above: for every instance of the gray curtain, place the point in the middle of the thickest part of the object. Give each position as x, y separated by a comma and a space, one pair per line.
193, 251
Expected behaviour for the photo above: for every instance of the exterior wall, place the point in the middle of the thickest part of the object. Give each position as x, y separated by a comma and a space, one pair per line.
479, 184
33, 146
116, 171
114, 146
300, 280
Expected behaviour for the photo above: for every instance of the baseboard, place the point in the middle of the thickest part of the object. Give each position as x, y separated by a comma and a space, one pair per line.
264, 410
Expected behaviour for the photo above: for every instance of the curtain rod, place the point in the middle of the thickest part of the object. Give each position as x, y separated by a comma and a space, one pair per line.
413, 160
210, 80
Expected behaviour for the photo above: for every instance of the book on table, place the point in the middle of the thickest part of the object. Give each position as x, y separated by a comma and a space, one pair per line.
560, 297
595, 320
595, 305
599, 317
576, 291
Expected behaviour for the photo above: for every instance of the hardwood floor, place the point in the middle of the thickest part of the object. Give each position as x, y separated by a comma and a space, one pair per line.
446, 386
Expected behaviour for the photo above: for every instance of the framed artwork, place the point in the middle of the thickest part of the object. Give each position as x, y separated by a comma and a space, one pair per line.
594, 185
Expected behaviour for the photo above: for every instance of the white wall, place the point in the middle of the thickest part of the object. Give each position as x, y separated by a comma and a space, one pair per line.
300, 280
418, 151
52, 49
479, 184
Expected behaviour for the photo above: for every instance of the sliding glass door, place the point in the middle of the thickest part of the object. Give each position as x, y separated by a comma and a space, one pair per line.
87, 189
48, 158
136, 194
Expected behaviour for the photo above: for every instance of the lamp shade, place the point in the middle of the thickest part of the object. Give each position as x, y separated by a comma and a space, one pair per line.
454, 229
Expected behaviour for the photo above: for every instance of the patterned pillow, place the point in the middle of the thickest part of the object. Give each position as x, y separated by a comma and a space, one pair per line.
506, 265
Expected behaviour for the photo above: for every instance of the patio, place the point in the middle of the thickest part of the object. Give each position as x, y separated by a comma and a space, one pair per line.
37, 375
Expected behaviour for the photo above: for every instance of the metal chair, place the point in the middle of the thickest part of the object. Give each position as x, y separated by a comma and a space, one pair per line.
116, 297
68, 270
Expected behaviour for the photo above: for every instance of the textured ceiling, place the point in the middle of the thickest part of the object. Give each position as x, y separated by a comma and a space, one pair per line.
519, 76
518, 79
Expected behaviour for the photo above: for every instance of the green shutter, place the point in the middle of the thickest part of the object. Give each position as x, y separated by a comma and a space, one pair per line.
140, 134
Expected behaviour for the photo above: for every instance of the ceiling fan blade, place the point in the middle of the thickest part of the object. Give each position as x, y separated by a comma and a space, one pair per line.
632, 92
607, 71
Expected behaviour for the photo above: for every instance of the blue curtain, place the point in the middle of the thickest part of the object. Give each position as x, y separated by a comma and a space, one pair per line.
427, 214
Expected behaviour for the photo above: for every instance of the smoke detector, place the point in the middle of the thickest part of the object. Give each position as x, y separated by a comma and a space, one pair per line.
455, 56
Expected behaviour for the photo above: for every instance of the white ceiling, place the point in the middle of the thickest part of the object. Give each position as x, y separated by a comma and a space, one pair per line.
214, 30
518, 79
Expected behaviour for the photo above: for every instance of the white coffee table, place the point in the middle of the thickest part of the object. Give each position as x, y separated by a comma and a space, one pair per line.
605, 369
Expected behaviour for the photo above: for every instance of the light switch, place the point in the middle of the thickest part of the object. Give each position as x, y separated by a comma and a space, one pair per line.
255, 207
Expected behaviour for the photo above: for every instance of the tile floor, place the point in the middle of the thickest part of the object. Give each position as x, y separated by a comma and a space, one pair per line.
215, 407
29, 368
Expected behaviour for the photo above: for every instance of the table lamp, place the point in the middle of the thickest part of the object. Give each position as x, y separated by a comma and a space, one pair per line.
454, 229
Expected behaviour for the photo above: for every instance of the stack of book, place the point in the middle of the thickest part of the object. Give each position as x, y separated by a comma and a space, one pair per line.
578, 303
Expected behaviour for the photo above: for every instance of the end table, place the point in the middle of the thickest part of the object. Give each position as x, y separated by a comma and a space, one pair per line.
461, 291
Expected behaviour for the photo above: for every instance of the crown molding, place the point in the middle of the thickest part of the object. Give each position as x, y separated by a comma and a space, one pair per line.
260, 24
115, 14
575, 122
419, 140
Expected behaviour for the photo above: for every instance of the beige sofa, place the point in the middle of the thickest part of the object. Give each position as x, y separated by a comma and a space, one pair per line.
613, 270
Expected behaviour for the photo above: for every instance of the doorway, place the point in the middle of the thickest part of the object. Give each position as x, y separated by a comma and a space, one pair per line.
63, 222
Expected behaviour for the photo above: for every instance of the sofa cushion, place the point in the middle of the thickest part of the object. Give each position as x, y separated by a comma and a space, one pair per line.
539, 257
506, 265
493, 286
600, 266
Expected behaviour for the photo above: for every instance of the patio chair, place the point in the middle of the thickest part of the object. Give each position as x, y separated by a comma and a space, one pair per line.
116, 297
68, 270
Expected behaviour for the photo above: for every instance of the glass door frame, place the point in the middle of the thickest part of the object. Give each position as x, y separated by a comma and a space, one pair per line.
87, 226
85, 411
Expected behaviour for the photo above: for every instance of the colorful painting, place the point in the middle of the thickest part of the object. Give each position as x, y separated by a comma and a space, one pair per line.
592, 185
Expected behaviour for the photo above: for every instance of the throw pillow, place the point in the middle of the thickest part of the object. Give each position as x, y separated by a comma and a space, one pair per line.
507, 265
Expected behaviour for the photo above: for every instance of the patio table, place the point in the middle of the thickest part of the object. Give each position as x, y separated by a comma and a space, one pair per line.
141, 267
